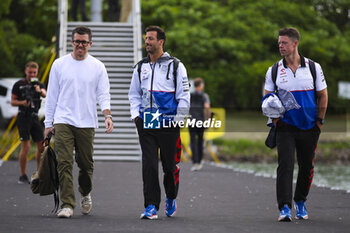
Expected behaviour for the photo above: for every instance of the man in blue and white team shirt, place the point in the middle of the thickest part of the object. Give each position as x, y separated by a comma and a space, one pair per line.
159, 94
77, 81
300, 128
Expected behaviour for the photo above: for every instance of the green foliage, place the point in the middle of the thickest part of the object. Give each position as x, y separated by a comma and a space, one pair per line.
4, 6
6, 61
232, 43
35, 17
26, 29
244, 150
18, 49
244, 146
256, 151
336, 11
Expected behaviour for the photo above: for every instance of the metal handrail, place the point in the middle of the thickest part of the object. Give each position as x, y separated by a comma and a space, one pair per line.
62, 22
136, 12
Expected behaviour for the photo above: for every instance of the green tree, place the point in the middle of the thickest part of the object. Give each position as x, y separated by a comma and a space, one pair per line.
37, 18
4, 51
231, 43
26, 29
4, 7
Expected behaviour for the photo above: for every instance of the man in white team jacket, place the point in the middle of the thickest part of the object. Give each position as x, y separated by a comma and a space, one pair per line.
159, 95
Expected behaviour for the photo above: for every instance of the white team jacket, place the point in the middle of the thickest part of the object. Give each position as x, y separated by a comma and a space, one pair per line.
155, 90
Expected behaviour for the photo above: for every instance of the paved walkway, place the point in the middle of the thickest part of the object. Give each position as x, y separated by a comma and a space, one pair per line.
212, 200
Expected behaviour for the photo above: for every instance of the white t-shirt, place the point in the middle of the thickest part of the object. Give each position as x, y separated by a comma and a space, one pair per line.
73, 90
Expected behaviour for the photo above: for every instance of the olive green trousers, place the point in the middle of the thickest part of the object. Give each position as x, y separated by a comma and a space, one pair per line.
68, 138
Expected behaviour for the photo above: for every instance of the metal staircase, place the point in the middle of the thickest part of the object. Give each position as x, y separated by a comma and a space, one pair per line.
118, 46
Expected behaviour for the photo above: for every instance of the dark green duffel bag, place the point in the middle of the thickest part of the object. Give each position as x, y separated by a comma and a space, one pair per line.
45, 180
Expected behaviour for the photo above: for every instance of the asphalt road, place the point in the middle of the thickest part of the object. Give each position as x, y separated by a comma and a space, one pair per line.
212, 200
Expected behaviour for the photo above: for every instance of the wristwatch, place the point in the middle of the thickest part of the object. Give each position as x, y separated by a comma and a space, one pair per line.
319, 119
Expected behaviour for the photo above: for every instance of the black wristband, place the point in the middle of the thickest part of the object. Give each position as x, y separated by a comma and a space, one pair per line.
319, 119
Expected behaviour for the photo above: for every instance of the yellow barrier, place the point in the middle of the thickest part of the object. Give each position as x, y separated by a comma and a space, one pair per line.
209, 134
6, 133
10, 138
48, 67
12, 149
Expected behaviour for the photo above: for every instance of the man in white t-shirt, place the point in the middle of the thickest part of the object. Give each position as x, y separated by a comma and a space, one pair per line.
300, 128
76, 81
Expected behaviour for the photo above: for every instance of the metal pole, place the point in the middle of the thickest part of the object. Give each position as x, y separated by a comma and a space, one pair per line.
136, 20
62, 20
96, 10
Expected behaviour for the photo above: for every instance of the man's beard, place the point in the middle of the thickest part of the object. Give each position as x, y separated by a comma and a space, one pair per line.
152, 50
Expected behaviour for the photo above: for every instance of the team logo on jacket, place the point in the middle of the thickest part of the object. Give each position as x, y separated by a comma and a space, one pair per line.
151, 120
283, 72
144, 74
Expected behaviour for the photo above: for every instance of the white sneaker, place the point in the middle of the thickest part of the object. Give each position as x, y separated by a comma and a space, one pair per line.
65, 213
86, 204
199, 166
194, 167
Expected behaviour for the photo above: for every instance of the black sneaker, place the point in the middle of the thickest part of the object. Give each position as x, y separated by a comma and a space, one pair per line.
23, 179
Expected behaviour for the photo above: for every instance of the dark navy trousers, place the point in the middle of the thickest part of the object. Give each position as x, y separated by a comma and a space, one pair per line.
168, 142
291, 140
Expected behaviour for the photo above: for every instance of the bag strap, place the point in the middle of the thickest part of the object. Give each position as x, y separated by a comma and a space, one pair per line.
139, 66
274, 74
312, 68
175, 63
175, 66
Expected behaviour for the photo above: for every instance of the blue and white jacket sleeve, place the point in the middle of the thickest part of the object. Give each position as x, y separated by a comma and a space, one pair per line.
135, 95
182, 93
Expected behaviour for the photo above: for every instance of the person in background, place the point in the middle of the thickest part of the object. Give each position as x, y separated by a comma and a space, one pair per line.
26, 94
114, 10
81, 5
200, 110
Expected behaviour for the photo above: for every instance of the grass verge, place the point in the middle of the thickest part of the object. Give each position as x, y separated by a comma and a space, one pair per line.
246, 150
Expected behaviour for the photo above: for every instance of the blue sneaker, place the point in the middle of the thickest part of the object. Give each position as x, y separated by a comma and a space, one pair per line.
149, 213
285, 214
170, 207
300, 210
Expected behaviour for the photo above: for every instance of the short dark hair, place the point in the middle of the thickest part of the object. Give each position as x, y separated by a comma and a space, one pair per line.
159, 30
198, 81
292, 33
81, 30
32, 64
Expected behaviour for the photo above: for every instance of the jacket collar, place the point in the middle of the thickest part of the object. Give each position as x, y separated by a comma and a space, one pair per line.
165, 57
302, 62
